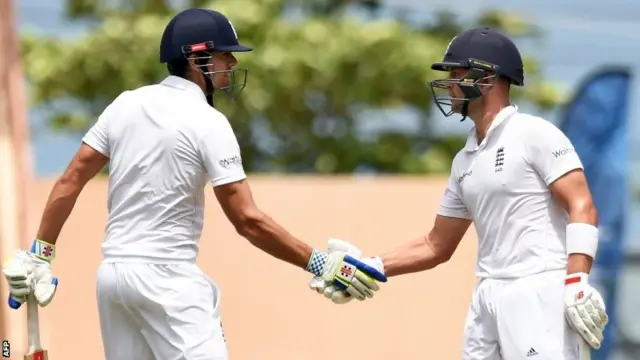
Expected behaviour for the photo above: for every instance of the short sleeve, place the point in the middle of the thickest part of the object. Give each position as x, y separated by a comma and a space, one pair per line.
451, 204
98, 136
220, 153
550, 152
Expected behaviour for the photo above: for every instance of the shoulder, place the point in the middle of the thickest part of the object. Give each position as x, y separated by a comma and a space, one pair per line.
206, 126
128, 99
208, 119
459, 161
540, 137
133, 95
121, 101
530, 126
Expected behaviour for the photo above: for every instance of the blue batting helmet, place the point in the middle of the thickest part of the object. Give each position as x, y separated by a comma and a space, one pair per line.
194, 30
203, 32
487, 54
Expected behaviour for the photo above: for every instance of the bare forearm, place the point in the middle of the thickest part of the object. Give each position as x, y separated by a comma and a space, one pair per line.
57, 210
415, 256
579, 263
264, 233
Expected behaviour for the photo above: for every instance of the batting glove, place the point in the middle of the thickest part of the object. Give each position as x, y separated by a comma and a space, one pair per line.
29, 272
319, 285
585, 309
342, 297
346, 273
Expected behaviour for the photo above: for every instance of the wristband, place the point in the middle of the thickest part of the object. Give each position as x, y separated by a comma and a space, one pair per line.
582, 239
43, 250
316, 262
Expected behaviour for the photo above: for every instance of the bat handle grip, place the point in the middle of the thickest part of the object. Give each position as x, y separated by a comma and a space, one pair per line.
13, 303
33, 324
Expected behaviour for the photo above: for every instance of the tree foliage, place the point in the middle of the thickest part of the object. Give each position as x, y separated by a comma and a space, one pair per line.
318, 78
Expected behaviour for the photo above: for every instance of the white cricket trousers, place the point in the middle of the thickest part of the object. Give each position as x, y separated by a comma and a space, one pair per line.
159, 312
520, 319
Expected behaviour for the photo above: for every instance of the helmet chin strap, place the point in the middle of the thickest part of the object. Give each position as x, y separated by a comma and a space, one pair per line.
465, 110
471, 93
208, 82
470, 90
210, 90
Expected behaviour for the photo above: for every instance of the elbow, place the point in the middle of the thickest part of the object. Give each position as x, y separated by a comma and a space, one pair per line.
442, 257
434, 260
72, 181
68, 185
439, 254
584, 211
249, 223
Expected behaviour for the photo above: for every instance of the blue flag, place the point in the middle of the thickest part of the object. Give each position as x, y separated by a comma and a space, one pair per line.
596, 121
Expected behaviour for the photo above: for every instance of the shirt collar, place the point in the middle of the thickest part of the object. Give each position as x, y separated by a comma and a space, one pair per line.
504, 114
183, 84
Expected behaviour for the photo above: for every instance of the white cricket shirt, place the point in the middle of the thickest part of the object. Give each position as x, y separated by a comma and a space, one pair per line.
165, 144
502, 185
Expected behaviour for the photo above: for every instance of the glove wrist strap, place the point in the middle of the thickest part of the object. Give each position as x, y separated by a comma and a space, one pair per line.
576, 278
43, 250
316, 262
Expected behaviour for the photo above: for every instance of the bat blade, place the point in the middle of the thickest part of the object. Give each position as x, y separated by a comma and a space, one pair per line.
37, 355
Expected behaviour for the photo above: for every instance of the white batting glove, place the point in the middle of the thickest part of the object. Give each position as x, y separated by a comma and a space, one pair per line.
321, 286
19, 274
346, 273
29, 272
585, 309
46, 283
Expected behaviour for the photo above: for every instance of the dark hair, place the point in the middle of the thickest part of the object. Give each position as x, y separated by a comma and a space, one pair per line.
178, 67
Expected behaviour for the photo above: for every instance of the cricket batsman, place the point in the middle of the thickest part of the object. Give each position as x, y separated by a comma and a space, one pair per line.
521, 183
165, 143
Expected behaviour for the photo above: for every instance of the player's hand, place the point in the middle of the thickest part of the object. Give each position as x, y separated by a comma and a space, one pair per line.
346, 273
323, 287
351, 275
343, 297
29, 272
18, 271
585, 309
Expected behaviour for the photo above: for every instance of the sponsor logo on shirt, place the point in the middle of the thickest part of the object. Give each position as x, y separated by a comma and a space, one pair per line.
234, 160
562, 152
464, 175
499, 159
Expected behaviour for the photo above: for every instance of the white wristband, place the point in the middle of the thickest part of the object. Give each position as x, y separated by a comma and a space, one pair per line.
582, 239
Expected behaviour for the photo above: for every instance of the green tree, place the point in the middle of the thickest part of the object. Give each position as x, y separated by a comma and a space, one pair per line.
313, 80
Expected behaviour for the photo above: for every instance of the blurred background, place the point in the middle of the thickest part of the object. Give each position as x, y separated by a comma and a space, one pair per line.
338, 89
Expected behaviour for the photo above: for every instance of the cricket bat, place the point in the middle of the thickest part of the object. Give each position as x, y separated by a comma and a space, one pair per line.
33, 325
585, 350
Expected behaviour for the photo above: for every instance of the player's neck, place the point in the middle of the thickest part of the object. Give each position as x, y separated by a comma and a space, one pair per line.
485, 119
